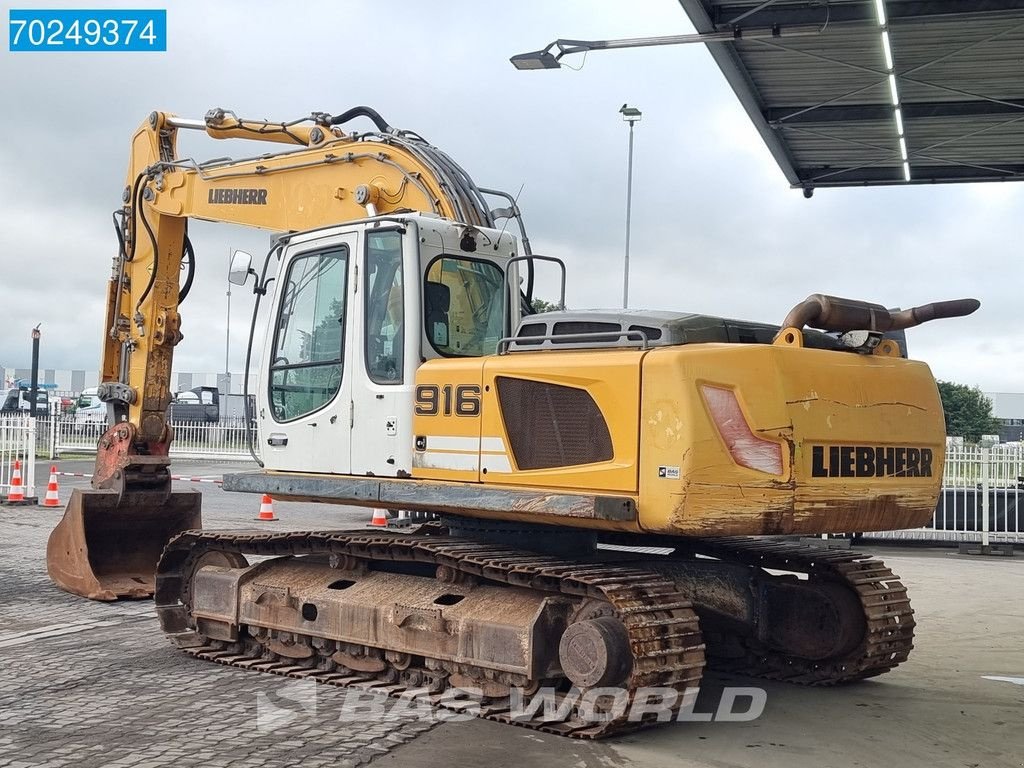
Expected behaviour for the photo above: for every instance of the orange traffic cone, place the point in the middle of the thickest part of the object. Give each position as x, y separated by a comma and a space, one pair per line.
17, 492
267, 509
52, 492
380, 519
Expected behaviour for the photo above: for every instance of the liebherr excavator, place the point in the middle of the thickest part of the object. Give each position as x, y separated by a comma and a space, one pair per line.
402, 370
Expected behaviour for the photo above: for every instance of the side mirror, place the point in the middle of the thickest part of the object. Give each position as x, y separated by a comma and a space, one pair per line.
241, 268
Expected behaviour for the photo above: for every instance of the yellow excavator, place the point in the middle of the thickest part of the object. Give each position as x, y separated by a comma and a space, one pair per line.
612, 491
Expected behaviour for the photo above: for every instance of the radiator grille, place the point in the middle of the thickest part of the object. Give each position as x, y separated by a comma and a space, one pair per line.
550, 425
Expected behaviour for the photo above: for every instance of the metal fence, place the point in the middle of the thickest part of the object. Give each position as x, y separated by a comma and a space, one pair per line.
61, 435
17, 443
982, 489
224, 440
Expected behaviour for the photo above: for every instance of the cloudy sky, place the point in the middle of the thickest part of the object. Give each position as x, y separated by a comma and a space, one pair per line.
716, 229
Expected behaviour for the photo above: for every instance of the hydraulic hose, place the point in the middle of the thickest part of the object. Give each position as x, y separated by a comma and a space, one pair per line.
374, 115
188, 251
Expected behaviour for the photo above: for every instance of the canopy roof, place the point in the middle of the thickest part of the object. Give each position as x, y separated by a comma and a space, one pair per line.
831, 114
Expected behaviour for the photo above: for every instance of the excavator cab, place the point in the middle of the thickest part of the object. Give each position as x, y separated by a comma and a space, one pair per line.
355, 311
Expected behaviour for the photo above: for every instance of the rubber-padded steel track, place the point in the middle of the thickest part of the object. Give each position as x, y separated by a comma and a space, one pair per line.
663, 631
889, 635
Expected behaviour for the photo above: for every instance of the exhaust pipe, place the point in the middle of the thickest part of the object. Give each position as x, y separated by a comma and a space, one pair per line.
831, 313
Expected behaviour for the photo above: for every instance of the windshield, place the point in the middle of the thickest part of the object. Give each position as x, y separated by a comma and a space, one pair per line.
463, 306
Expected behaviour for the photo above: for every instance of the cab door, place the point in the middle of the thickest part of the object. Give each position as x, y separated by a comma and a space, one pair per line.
306, 382
387, 323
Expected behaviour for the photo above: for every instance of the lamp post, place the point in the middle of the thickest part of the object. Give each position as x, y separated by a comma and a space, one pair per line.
34, 388
631, 115
227, 332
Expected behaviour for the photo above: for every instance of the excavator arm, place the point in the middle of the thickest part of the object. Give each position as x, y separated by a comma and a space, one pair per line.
110, 538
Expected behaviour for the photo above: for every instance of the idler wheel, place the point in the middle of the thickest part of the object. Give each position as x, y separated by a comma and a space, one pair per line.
595, 653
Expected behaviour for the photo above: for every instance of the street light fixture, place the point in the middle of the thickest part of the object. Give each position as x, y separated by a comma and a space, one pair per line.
536, 60
632, 116
545, 59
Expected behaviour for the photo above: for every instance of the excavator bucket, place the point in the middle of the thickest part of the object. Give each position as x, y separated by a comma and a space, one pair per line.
107, 545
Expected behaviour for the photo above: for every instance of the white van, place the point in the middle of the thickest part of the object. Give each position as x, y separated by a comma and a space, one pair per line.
90, 412
19, 401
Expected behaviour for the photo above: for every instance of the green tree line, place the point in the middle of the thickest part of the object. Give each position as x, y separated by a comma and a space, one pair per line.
968, 412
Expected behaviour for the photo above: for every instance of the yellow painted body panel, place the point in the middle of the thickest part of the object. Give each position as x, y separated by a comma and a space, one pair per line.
673, 461
611, 377
452, 450
800, 398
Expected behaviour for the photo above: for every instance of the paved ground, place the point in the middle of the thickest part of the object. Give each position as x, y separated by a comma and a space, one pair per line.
87, 684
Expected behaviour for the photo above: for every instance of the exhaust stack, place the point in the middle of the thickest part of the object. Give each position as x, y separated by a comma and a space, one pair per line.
831, 313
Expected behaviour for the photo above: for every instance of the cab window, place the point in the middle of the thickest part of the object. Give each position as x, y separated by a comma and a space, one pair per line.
385, 311
463, 306
306, 368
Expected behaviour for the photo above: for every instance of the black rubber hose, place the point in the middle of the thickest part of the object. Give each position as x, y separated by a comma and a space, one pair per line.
529, 285
156, 251
135, 213
187, 250
120, 236
374, 115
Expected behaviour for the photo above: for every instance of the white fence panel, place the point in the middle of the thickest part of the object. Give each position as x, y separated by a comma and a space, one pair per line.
18, 443
192, 440
982, 491
198, 440
69, 436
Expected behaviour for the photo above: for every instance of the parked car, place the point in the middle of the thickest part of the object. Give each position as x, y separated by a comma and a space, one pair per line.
90, 412
19, 401
196, 404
